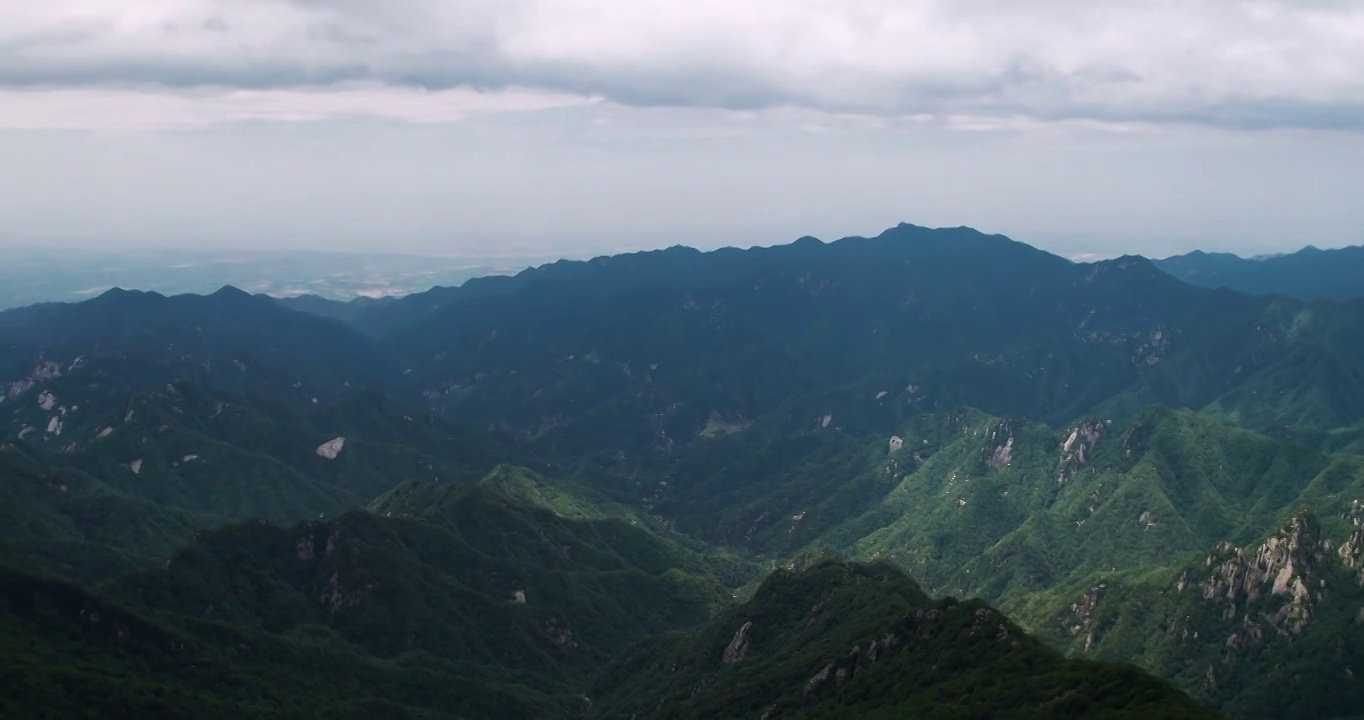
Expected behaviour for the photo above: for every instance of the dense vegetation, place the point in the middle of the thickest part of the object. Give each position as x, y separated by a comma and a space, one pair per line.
845, 640
483, 501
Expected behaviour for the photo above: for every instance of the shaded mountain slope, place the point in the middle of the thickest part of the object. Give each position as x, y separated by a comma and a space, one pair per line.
845, 640
651, 351
484, 581
65, 359
74, 525
185, 458
68, 653
348, 310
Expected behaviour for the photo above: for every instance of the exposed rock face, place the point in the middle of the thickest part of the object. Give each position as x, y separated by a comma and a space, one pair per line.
45, 370
136, 466
1281, 571
560, 635
984, 625
1082, 612
336, 597
820, 678
331, 448
1351, 551
896, 442
1267, 591
738, 647
1002, 439
717, 426
519, 597
1078, 449
304, 549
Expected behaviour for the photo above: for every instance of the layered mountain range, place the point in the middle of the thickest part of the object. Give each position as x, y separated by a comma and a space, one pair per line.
932, 472
1311, 272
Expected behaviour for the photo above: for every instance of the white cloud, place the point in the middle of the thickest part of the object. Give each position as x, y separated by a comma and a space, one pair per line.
151, 109
1236, 63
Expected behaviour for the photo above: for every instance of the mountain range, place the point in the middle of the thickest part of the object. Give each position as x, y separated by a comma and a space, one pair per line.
1309, 273
932, 472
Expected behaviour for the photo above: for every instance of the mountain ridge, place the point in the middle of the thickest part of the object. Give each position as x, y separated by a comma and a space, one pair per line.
1309, 273
538, 450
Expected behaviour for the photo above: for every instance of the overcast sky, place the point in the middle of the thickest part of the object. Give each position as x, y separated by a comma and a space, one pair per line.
1082, 126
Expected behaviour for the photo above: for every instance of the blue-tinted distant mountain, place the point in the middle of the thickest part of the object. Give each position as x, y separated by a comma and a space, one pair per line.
1310, 273
212, 332
66, 275
346, 310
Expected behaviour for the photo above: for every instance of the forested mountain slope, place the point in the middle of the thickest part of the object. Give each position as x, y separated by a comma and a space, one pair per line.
649, 351
843, 640
514, 481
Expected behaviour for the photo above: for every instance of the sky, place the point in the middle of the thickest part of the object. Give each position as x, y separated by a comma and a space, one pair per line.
1087, 127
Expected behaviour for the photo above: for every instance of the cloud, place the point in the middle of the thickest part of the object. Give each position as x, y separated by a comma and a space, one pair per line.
144, 108
1245, 64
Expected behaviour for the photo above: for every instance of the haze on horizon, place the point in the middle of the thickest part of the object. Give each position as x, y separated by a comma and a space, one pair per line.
578, 126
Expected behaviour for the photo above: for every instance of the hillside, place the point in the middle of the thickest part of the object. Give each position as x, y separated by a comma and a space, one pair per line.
70, 653
1309, 273
841, 640
198, 459
481, 592
629, 443
651, 351
478, 577
1269, 630
221, 335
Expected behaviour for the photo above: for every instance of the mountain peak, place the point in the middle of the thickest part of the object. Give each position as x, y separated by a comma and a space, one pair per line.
116, 292
117, 296
230, 291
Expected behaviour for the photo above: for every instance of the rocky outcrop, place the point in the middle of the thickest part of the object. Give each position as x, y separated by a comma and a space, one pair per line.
717, 425
985, 624
303, 549
1078, 449
560, 634
1265, 593
738, 646
820, 678
43, 371
331, 448
1351, 552
1275, 579
336, 596
999, 452
1082, 612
